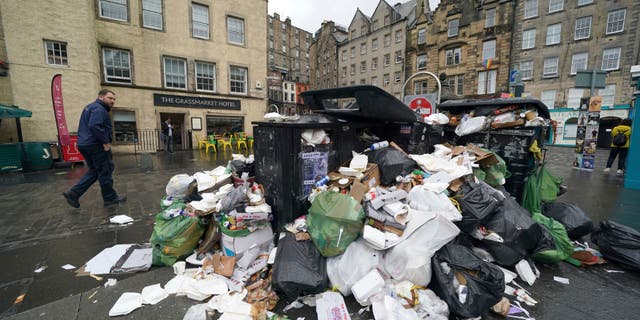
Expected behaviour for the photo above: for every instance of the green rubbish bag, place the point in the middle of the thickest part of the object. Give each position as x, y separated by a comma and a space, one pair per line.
334, 221
175, 238
497, 174
543, 186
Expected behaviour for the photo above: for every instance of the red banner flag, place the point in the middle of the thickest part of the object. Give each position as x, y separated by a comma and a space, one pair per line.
58, 110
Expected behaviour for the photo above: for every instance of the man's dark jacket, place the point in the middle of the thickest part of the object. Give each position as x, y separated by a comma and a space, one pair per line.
95, 125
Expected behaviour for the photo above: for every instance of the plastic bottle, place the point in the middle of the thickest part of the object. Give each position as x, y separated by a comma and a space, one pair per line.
322, 181
379, 145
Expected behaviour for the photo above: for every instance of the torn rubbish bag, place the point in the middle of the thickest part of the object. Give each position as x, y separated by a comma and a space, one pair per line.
334, 221
574, 220
392, 163
479, 202
175, 238
618, 243
299, 268
469, 285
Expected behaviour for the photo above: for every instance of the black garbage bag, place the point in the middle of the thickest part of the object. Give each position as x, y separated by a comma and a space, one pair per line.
618, 243
239, 167
484, 281
479, 202
574, 220
299, 268
391, 163
521, 235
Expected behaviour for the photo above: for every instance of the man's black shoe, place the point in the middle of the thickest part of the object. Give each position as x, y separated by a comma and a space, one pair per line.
118, 199
72, 200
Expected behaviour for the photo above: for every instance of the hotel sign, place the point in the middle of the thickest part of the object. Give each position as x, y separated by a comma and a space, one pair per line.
166, 100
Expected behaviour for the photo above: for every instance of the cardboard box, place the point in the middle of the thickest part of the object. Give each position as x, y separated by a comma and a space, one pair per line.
371, 176
483, 158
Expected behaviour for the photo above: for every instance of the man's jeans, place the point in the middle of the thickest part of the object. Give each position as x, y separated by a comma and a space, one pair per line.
101, 167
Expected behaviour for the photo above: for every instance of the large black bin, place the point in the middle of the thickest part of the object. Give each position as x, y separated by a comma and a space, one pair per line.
511, 144
348, 115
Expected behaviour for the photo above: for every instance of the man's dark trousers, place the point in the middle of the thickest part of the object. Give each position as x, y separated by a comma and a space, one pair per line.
101, 168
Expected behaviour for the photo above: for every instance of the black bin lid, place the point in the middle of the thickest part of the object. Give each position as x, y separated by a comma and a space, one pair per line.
359, 102
486, 106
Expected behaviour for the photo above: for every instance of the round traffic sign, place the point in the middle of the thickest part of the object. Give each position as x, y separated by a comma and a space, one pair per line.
421, 105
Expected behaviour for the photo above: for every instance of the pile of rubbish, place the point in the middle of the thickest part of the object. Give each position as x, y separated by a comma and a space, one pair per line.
431, 236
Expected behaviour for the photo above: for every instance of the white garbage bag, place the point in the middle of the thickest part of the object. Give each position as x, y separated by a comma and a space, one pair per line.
346, 269
178, 185
470, 125
421, 198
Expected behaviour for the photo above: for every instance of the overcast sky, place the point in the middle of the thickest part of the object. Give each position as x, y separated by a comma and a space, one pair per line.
309, 14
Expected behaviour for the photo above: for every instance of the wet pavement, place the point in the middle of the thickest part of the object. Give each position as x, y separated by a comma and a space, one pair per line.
38, 228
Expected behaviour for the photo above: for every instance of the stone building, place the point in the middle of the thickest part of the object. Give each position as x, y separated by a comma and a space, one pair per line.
288, 54
553, 39
375, 50
201, 63
469, 42
324, 55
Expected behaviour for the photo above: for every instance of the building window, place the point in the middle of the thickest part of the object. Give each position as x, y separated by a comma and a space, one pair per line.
124, 126
583, 28
296, 52
344, 72
611, 59
574, 98
420, 87
374, 25
56, 53
374, 63
422, 62
452, 31
608, 95
114, 9
553, 34
422, 36
490, 18
152, 14
556, 5
385, 79
271, 58
550, 68
529, 39
353, 52
579, 62
200, 21
374, 44
615, 21
363, 66
398, 36
456, 84
344, 55
526, 70
453, 56
363, 48
548, 97
235, 30
530, 8
397, 76
363, 30
217, 125
175, 73
352, 70
487, 82
387, 19
387, 39
387, 60
489, 50
238, 79
584, 2
117, 65
374, 81
399, 57
205, 76
363, 81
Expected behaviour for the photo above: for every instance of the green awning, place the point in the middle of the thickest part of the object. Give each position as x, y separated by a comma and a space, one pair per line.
13, 112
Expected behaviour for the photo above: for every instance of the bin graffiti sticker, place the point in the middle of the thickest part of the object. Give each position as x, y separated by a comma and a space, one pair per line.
315, 165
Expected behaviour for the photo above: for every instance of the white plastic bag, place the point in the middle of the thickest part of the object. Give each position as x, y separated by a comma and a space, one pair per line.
411, 258
431, 307
470, 125
421, 198
330, 306
346, 269
127, 302
178, 185
196, 312
389, 308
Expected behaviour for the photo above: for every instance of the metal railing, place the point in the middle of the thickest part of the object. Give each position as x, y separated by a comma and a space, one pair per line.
151, 140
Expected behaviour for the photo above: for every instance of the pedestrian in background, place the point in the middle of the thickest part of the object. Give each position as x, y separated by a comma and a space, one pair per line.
620, 136
167, 135
94, 143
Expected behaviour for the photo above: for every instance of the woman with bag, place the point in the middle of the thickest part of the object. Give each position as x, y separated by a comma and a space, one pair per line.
620, 136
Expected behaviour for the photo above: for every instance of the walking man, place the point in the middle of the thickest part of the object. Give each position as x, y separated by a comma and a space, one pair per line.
167, 134
94, 143
620, 136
